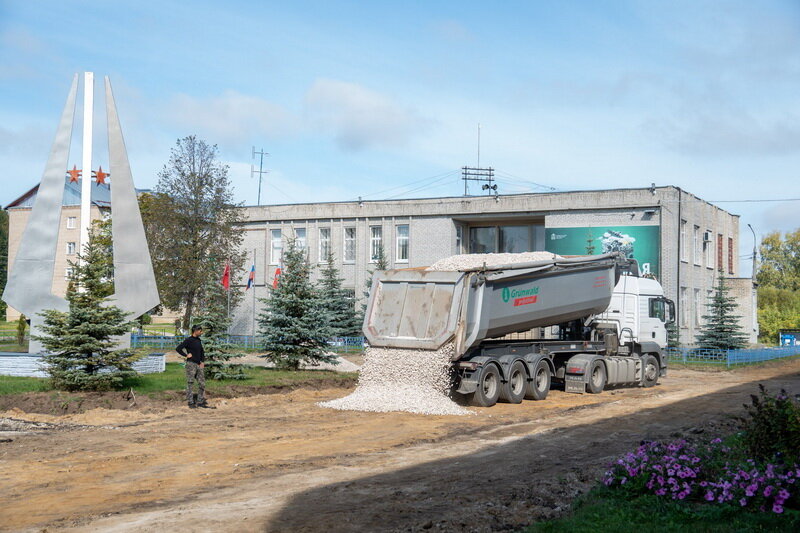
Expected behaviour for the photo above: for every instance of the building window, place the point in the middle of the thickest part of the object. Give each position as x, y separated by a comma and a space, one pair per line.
730, 255
684, 257
708, 248
459, 239
71, 248
300, 238
401, 254
483, 240
277, 247
72, 222
720, 245
375, 243
697, 245
324, 244
698, 308
349, 252
515, 239
69, 272
684, 307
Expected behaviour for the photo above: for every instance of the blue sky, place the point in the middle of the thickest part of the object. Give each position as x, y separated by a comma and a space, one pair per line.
353, 98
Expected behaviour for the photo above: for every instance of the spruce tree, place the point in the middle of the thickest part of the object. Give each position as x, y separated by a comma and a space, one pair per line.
381, 263
343, 319
721, 330
295, 321
80, 343
215, 322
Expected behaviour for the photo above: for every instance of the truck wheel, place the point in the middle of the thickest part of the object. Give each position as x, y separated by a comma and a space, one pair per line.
513, 390
488, 387
597, 377
539, 386
650, 371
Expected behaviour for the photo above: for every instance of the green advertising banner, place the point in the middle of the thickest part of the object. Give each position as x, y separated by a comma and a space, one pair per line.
639, 242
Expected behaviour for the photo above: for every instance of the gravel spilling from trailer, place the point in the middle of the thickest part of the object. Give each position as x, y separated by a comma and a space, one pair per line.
467, 261
393, 379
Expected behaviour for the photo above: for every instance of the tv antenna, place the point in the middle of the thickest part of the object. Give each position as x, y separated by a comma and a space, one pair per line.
260, 170
479, 173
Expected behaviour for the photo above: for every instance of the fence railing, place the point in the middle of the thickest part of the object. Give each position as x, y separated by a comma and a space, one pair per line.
694, 355
168, 342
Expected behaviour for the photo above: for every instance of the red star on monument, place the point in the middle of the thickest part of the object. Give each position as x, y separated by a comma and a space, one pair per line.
101, 176
74, 174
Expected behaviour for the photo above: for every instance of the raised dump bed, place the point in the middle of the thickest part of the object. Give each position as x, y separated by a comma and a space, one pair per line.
424, 309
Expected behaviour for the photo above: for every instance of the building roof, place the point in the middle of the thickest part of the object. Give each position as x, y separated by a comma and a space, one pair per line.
101, 195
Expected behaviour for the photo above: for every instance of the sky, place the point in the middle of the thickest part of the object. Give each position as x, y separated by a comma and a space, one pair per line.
384, 99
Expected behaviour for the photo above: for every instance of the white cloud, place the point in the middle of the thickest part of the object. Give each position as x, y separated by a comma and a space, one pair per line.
231, 117
359, 117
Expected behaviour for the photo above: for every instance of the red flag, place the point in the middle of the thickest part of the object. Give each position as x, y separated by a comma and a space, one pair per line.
275, 279
226, 277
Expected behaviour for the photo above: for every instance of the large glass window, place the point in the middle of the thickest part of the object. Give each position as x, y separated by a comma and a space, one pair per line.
300, 238
684, 247
697, 245
698, 308
70, 248
324, 244
483, 240
277, 247
375, 243
72, 222
459, 239
684, 307
657, 309
401, 254
730, 255
349, 252
515, 239
708, 247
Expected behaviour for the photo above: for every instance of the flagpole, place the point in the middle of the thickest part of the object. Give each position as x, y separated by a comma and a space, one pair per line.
228, 292
254, 301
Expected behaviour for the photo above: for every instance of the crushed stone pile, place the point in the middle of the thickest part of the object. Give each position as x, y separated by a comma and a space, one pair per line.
467, 261
395, 379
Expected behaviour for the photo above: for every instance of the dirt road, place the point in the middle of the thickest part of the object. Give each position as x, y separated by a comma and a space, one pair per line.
280, 463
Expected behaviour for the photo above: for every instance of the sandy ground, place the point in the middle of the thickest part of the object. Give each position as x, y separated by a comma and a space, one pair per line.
280, 463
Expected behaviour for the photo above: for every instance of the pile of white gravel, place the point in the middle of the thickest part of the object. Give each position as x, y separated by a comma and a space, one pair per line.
395, 379
467, 261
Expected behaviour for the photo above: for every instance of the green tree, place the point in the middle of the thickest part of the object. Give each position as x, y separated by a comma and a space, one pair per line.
381, 263
294, 321
336, 301
80, 343
777, 309
22, 326
590, 244
215, 321
721, 330
192, 225
780, 261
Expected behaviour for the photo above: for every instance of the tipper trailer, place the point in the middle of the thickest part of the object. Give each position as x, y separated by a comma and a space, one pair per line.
603, 324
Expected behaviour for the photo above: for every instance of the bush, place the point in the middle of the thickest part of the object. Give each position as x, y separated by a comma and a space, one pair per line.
772, 431
713, 473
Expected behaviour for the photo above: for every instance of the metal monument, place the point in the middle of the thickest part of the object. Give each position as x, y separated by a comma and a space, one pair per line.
29, 287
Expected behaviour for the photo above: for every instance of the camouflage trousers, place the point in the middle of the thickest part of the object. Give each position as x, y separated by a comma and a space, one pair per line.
195, 373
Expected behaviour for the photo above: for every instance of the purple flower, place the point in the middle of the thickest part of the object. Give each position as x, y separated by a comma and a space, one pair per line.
767, 491
776, 508
709, 496
743, 502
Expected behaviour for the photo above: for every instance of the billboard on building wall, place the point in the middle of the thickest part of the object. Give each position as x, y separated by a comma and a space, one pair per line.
638, 242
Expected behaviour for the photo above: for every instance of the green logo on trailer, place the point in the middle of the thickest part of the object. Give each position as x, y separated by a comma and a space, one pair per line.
506, 294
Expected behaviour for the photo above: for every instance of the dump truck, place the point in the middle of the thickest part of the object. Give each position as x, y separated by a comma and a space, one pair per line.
593, 322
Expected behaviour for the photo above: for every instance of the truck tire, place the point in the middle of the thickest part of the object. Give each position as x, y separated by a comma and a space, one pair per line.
597, 377
513, 390
539, 385
489, 385
650, 370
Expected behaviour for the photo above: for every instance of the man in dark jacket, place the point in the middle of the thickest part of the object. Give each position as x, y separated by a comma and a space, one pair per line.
192, 350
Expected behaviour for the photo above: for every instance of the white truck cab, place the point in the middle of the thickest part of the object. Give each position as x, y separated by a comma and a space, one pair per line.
639, 312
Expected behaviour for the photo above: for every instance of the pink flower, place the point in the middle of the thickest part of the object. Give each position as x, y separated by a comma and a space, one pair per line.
776, 508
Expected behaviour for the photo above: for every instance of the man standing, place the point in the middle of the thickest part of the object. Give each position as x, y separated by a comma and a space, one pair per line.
192, 350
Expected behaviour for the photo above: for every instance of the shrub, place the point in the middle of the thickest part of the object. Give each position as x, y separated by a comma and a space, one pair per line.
772, 431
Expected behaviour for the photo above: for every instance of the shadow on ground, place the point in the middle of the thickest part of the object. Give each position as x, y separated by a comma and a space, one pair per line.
508, 486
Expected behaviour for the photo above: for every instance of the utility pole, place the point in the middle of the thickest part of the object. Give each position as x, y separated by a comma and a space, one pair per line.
755, 253
479, 174
260, 170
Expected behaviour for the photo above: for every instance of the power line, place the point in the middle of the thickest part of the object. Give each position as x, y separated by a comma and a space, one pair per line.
444, 174
425, 186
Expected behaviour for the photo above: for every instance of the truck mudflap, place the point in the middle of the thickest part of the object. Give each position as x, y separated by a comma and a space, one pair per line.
577, 372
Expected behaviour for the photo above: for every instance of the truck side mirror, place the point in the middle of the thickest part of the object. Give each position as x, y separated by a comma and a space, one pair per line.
671, 312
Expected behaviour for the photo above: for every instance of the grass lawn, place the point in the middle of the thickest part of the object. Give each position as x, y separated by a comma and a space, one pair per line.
173, 379
603, 509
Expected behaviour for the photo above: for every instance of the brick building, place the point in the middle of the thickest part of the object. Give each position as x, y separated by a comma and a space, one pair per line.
677, 237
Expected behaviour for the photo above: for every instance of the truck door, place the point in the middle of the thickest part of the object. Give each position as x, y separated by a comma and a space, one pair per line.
653, 320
